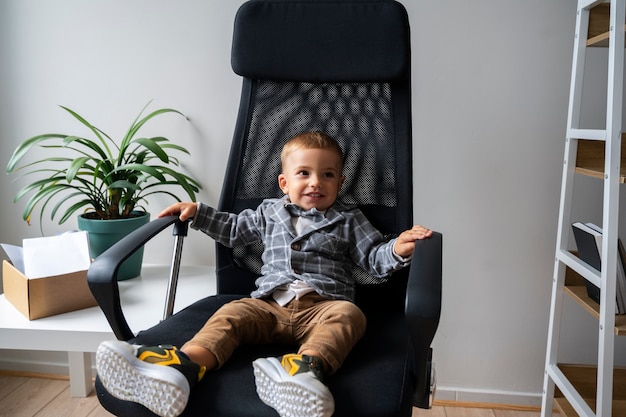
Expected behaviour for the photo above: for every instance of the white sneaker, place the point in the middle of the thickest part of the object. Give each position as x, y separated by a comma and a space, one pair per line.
293, 386
157, 377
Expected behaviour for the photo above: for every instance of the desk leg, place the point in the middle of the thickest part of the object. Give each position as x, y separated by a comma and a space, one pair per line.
80, 373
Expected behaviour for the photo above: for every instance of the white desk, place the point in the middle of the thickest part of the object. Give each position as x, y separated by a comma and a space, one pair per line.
80, 332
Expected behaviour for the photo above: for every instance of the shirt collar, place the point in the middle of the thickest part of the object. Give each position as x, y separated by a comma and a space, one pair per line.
297, 211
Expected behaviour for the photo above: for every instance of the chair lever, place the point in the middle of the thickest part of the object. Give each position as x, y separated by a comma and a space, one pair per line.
180, 231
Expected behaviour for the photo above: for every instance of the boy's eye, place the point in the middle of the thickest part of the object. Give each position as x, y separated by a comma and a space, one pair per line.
329, 175
303, 172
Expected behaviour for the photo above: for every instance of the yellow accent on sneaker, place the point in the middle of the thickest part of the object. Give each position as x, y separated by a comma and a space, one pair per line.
168, 357
293, 364
201, 372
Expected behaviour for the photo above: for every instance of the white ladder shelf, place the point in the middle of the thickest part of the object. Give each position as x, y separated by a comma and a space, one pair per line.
572, 399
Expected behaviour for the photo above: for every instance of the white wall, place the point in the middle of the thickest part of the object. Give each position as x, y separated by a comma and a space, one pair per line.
490, 81
106, 60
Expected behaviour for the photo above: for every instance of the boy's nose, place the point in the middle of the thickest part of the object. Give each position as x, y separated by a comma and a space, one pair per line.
313, 181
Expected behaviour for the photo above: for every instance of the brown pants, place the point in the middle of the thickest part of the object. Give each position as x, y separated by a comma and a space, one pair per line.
330, 327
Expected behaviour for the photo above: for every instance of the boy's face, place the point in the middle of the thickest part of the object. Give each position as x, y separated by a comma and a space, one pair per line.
311, 178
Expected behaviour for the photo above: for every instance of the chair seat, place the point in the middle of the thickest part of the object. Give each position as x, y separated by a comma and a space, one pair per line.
234, 383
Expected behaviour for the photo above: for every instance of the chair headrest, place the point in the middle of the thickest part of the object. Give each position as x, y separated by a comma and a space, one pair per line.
322, 41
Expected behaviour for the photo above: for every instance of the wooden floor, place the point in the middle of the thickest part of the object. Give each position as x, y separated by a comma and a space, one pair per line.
25, 396
455, 410
36, 396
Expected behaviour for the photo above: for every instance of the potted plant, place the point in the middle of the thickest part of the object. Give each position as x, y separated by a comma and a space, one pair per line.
106, 180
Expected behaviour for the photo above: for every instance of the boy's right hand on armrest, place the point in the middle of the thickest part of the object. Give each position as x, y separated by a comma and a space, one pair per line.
184, 210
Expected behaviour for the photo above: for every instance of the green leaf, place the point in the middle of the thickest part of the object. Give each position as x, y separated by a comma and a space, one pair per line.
25, 146
137, 124
39, 184
60, 203
150, 170
123, 185
182, 180
174, 146
75, 166
42, 194
154, 147
73, 208
87, 143
99, 133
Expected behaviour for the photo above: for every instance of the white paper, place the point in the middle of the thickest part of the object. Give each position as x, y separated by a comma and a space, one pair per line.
56, 255
15, 255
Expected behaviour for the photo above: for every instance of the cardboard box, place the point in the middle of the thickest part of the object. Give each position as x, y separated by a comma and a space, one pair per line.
47, 296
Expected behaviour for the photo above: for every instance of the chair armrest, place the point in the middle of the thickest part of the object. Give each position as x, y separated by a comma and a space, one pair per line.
423, 299
422, 311
102, 274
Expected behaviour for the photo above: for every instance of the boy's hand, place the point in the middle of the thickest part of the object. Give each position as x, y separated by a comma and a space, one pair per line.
406, 241
183, 210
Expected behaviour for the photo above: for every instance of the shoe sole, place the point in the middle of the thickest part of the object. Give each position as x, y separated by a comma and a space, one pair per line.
160, 389
291, 396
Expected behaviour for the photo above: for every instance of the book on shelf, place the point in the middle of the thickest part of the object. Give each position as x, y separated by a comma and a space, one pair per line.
588, 251
621, 274
588, 239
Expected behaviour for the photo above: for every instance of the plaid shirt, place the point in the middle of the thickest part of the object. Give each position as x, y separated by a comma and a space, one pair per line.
322, 255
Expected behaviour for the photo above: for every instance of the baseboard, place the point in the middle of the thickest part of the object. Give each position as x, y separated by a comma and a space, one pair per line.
35, 368
22, 374
488, 406
487, 398
43, 366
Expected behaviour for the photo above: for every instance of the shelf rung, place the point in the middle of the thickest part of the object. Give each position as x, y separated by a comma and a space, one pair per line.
589, 134
590, 3
568, 390
583, 269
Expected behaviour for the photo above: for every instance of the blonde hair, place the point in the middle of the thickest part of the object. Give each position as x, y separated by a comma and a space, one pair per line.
311, 140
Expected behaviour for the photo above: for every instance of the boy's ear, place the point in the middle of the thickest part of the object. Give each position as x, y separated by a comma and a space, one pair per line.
282, 183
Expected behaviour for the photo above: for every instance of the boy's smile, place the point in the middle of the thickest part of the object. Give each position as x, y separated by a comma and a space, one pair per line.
311, 178
312, 200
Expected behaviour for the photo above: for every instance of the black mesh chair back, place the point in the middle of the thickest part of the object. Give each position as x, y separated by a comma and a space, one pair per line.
310, 71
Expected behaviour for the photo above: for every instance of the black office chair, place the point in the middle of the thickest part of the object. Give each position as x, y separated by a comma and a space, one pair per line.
343, 68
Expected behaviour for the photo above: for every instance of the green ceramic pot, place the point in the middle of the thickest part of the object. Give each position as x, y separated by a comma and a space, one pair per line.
104, 233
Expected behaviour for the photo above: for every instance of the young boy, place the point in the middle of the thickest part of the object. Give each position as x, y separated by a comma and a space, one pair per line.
304, 296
